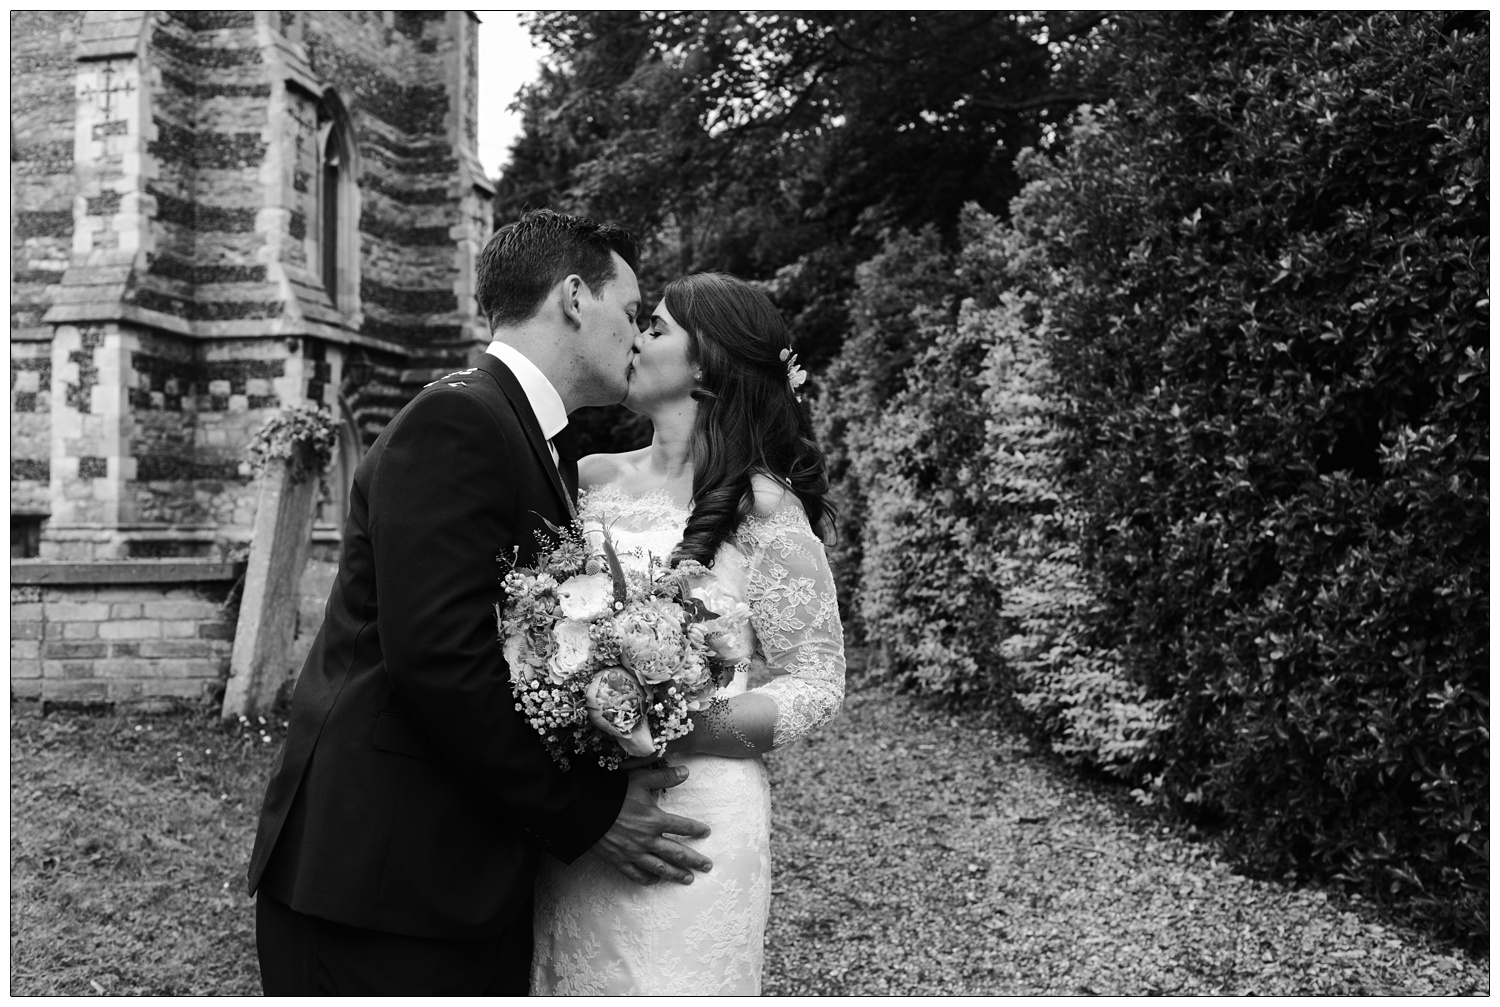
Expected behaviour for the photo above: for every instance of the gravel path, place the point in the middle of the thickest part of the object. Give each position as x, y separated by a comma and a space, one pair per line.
920, 853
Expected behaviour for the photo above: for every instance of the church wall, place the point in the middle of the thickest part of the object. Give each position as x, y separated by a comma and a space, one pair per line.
208, 147
42, 71
30, 426
168, 296
408, 169
194, 408
42, 189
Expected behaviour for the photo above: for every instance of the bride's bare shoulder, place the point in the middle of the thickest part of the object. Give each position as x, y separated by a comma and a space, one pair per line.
769, 493
602, 469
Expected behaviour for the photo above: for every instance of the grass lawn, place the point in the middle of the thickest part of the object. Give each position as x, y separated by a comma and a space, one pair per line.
915, 853
129, 841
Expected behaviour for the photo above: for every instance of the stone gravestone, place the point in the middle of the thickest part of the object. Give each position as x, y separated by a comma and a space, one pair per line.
267, 625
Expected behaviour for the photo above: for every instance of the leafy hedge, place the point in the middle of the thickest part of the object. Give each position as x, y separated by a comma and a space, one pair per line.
957, 555
1269, 311
1058, 667
881, 461
1252, 575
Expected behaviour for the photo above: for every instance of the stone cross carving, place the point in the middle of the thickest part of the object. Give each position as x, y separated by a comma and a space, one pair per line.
109, 90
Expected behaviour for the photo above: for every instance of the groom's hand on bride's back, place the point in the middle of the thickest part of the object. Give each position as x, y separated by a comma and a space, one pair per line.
636, 846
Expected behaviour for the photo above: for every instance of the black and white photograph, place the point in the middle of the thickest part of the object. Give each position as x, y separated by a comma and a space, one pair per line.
952, 503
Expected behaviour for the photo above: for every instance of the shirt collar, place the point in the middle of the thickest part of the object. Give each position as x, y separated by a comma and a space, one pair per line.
548, 406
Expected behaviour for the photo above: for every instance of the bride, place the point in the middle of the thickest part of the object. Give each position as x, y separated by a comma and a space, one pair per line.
733, 479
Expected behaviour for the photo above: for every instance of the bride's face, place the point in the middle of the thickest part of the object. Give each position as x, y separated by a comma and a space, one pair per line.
662, 372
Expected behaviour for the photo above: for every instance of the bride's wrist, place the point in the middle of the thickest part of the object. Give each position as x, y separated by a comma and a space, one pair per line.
687, 743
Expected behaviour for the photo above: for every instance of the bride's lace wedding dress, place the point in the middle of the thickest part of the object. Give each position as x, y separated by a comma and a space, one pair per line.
598, 933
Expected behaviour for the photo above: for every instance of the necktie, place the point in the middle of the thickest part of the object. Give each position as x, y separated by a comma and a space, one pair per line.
566, 443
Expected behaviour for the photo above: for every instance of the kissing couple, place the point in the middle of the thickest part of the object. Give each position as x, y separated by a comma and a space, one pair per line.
416, 835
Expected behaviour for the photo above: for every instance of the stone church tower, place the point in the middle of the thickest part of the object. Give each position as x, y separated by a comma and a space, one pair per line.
216, 215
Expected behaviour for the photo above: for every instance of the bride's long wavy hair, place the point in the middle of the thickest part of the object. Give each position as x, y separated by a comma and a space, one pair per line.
749, 419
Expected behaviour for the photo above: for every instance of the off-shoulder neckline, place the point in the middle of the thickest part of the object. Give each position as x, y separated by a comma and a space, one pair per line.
654, 497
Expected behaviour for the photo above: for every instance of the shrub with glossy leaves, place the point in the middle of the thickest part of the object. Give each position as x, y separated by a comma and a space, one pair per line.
1079, 696
911, 277
907, 416
1253, 292
1267, 290
954, 528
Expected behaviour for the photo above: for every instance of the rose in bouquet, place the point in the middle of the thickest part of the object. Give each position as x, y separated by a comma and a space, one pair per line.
609, 662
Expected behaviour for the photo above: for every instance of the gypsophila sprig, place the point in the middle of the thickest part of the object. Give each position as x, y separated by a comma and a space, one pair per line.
607, 661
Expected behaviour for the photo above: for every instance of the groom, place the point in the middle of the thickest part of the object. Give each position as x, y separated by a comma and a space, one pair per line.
405, 817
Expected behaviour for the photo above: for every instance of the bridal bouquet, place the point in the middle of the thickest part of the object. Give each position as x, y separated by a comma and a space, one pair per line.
609, 660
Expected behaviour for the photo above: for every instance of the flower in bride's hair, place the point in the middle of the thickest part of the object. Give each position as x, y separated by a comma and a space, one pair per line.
586, 596
796, 377
572, 656
617, 704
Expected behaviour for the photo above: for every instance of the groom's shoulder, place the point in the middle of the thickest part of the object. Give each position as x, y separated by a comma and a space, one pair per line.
470, 382
466, 393
457, 379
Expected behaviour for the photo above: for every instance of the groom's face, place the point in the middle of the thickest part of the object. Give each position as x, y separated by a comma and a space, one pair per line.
609, 331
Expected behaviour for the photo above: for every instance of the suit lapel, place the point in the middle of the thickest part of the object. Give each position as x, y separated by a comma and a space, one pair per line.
522, 405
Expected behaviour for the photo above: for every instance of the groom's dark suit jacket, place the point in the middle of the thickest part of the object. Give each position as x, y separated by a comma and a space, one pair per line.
411, 796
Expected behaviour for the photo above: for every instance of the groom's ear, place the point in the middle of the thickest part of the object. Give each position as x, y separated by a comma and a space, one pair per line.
571, 293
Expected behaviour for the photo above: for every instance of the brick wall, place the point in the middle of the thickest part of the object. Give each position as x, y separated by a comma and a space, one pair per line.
121, 632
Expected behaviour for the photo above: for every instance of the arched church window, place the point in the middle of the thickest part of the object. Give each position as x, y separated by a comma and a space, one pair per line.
332, 168
338, 206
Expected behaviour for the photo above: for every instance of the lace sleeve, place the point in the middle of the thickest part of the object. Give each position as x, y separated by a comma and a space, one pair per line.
794, 610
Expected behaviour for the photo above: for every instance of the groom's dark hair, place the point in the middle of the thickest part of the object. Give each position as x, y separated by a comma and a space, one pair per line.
526, 259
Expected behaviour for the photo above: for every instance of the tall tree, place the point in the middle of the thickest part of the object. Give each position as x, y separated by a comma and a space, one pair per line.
782, 145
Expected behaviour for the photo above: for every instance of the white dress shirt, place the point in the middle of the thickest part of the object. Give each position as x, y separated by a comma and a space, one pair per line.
548, 406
